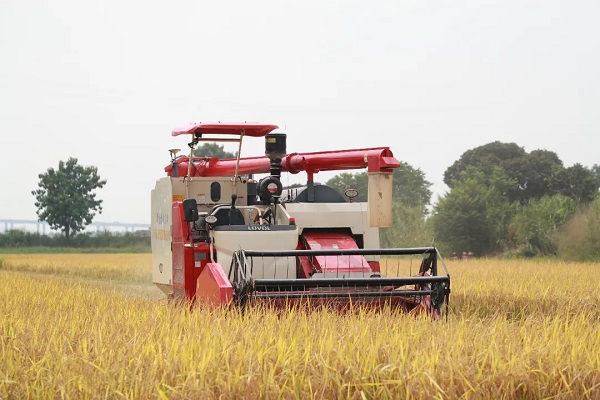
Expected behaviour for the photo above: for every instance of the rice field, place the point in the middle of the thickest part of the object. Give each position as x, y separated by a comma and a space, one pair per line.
93, 327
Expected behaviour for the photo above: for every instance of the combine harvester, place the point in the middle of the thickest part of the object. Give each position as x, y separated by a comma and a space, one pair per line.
222, 236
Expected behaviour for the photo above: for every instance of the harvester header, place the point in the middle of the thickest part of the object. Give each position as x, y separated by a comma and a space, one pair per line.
222, 235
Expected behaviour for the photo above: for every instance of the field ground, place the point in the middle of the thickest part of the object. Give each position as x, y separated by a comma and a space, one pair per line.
93, 326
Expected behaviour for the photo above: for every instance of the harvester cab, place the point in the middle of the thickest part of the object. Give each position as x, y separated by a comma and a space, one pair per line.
222, 237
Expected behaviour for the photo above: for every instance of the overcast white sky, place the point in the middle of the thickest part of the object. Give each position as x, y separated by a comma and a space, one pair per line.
107, 81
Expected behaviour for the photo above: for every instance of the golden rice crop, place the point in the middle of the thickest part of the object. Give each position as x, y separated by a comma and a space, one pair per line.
120, 267
516, 329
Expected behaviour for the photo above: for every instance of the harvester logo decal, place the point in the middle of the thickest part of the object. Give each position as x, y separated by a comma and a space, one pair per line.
259, 227
161, 230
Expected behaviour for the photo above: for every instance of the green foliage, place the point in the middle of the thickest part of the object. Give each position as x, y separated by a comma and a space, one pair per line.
17, 238
101, 242
596, 170
409, 228
410, 186
485, 158
536, 174
477, 211
212, 150
577, 182
65, 197
474, 215
579, 238
534, 225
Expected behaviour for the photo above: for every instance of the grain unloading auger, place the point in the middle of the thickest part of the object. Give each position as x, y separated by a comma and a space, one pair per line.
221, 236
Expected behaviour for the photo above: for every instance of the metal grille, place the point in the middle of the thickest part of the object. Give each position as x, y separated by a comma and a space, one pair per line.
404, 276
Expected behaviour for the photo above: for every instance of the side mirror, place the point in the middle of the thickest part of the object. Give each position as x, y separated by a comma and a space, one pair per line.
190, 210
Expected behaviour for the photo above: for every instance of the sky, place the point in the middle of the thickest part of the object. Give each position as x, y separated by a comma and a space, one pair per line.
107, 81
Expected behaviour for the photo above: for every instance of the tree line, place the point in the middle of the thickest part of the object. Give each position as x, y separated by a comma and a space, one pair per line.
502, 201
101, 242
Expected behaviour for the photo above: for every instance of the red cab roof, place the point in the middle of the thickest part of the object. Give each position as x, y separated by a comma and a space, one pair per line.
227, 128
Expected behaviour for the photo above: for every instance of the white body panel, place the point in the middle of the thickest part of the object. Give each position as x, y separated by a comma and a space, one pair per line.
357, 217
160, 231
336, 215
227, 242
166, 191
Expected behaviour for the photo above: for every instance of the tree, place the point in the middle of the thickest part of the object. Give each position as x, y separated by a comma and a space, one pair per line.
65, 197
410, 186
474, 215
212, 150
536, 174
577, 182
535, 225
596, 170
485, 158
409, 227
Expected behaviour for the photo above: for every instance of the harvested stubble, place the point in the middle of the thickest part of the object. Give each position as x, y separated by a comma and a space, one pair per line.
515, 330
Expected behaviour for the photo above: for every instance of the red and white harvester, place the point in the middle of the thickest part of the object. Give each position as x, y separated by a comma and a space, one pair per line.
223, 236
